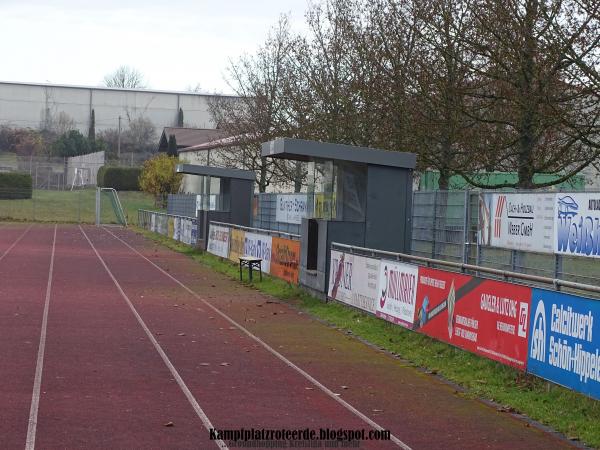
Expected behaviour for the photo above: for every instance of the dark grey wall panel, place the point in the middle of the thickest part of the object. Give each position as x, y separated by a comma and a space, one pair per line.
389, 198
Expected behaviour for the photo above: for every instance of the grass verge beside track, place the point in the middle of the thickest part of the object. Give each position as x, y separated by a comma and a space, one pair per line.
574, 415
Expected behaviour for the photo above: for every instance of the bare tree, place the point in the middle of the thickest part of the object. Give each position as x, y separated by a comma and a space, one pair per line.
141, 135
257, 114
535, 98
439, 77
63, 124
326, 86
125, 77
196, 88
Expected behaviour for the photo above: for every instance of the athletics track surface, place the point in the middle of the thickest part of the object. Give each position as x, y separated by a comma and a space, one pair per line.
105, 338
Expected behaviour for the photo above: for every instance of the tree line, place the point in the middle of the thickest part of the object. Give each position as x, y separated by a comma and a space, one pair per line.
62, 139
471, 86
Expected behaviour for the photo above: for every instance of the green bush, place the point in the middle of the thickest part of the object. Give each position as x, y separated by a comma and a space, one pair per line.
15, 185
119, 178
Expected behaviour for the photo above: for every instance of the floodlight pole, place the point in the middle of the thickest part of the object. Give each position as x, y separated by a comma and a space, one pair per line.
119, 140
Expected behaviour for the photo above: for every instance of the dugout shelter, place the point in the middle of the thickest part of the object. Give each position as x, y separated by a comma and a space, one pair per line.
356, 195
226, 196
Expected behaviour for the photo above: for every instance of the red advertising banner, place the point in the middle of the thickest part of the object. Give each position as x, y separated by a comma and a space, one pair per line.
486, 317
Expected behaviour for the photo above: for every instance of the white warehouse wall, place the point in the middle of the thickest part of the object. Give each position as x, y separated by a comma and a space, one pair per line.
26, 105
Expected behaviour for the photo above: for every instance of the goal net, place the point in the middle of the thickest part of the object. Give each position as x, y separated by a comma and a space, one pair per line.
109, 210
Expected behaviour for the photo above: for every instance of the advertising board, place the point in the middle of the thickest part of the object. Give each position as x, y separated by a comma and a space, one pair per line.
565, 340
218, 240
285, 259
577, 228
171, 227
291, 208
517, 221
397, 292
259, 246
353, 280
177, 229
236, 244
486, 317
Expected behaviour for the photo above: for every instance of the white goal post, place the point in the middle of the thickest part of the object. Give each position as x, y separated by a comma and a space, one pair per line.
109, 208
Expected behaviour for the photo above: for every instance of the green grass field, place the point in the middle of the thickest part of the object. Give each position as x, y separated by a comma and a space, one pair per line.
572, 414
72, 207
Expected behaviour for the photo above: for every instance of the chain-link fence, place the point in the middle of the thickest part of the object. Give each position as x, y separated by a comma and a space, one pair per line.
182, 205
76, 206
265, 214
265, 211
62, 173
445, 227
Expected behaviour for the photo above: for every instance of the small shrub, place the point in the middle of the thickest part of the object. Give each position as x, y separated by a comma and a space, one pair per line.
15, 185
119, 178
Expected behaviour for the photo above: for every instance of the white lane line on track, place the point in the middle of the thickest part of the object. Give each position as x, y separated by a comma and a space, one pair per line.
274, 352
188, 394
15, 243
37, 381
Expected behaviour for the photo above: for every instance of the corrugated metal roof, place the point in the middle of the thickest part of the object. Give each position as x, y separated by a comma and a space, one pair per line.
105, 88
187, 137
228, 141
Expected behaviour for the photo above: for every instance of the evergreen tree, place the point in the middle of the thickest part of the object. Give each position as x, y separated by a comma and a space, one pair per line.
92, 130
180, 118
172, 149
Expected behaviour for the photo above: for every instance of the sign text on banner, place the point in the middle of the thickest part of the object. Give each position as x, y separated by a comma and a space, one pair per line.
397, 292
285, 259
577, 228
353, 280
517, 221
171, 228
236, 244
259, 246
486, 317
291, 208
565, 340
218, 240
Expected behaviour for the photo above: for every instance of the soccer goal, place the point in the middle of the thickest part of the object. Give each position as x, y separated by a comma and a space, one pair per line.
81, 177
108, 208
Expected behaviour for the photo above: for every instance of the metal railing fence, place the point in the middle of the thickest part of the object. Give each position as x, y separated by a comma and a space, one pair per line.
444, 226
258, 230
489, 272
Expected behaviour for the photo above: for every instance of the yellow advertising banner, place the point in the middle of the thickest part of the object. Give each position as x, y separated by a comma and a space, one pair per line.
171, 228
324, 206
236, 244
285, 259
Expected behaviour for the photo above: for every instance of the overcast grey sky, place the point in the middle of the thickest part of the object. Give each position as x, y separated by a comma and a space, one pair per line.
175, 44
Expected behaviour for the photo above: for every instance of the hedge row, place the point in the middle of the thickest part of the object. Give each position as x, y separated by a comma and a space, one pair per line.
15, 185
119, 178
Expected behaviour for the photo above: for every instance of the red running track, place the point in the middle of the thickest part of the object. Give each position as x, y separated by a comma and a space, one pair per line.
129, 350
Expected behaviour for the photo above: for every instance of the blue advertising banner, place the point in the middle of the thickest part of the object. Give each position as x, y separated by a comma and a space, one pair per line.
564, 343
577, 228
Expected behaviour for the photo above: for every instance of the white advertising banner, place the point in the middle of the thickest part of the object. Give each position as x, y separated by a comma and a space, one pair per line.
218, 240
517, 221
577, 228
187, 228
353, 280
291, 208
259, 246
397, 292
177, 229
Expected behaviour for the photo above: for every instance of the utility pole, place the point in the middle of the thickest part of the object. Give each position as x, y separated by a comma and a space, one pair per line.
119, 140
